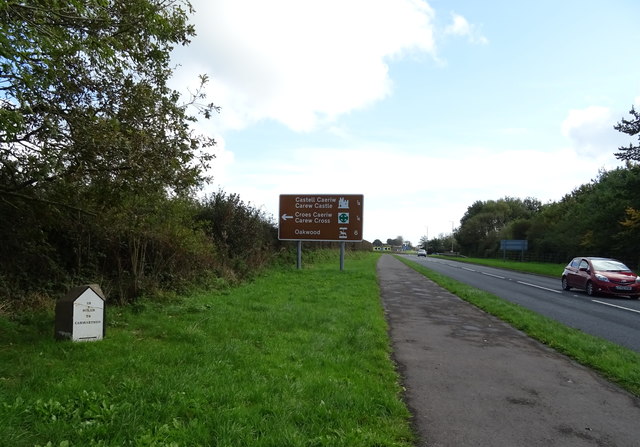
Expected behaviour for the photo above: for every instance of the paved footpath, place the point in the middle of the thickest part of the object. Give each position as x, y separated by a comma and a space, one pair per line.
472, 380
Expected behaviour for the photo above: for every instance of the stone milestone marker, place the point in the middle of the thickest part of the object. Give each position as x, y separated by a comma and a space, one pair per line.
80, 314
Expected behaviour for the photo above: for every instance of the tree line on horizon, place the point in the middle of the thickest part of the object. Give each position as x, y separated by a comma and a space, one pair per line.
600, 218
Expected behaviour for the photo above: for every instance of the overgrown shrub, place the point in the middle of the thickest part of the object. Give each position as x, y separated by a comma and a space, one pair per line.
136, 244
244, 236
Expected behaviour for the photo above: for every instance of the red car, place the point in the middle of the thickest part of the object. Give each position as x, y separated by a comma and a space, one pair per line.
601, 275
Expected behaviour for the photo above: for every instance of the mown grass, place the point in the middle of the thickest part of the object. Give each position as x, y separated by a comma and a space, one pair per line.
616, 363
295, 358
539, 268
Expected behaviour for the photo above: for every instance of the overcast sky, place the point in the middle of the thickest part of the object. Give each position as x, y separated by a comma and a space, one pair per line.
422, 106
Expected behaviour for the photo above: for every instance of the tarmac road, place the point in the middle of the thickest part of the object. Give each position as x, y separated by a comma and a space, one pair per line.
472, 380
616, 319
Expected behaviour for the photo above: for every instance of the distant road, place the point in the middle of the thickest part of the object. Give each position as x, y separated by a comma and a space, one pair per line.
615, 319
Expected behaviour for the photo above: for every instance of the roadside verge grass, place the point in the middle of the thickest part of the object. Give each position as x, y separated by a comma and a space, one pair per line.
539, 268
614, 362
295, 358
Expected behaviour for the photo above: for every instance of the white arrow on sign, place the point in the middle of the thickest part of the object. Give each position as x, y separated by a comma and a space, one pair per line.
286, 216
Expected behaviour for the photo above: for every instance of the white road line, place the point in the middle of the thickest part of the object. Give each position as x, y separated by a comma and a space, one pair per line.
495, 276
468, 269
619, 307
539, 287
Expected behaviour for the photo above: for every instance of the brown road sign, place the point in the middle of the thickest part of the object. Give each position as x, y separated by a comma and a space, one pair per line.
320, 217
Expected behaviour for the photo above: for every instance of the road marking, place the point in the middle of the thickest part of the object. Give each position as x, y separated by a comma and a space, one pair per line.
539, 287
619, 307
495, 276
468, 269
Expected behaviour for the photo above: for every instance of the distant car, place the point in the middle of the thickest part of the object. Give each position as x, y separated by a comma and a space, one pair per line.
422, 252
601, 275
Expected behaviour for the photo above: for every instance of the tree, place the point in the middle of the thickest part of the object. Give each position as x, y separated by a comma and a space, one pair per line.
84, 98
630, 127
439, 244
96, 151
398, 241
595, 219
631, 232
485, 223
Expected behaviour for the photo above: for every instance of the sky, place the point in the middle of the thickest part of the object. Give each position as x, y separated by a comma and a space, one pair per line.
424, 107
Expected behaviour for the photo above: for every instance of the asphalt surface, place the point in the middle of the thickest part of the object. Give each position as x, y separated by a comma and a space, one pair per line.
616, 319
472, 380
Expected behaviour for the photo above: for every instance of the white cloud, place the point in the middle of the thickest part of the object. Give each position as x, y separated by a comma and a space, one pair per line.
462, 28
222, 162
301, 63
591, 132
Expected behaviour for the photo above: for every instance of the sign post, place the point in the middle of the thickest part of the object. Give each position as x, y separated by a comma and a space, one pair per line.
321, 217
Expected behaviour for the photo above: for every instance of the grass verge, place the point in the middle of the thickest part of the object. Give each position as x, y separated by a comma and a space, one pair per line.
295, 358
616, 363
539, 268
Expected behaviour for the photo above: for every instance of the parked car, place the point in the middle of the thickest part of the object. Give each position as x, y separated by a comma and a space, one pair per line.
601, 275
422, 252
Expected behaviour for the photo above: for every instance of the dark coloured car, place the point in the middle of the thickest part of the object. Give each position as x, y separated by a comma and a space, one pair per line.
601, 275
